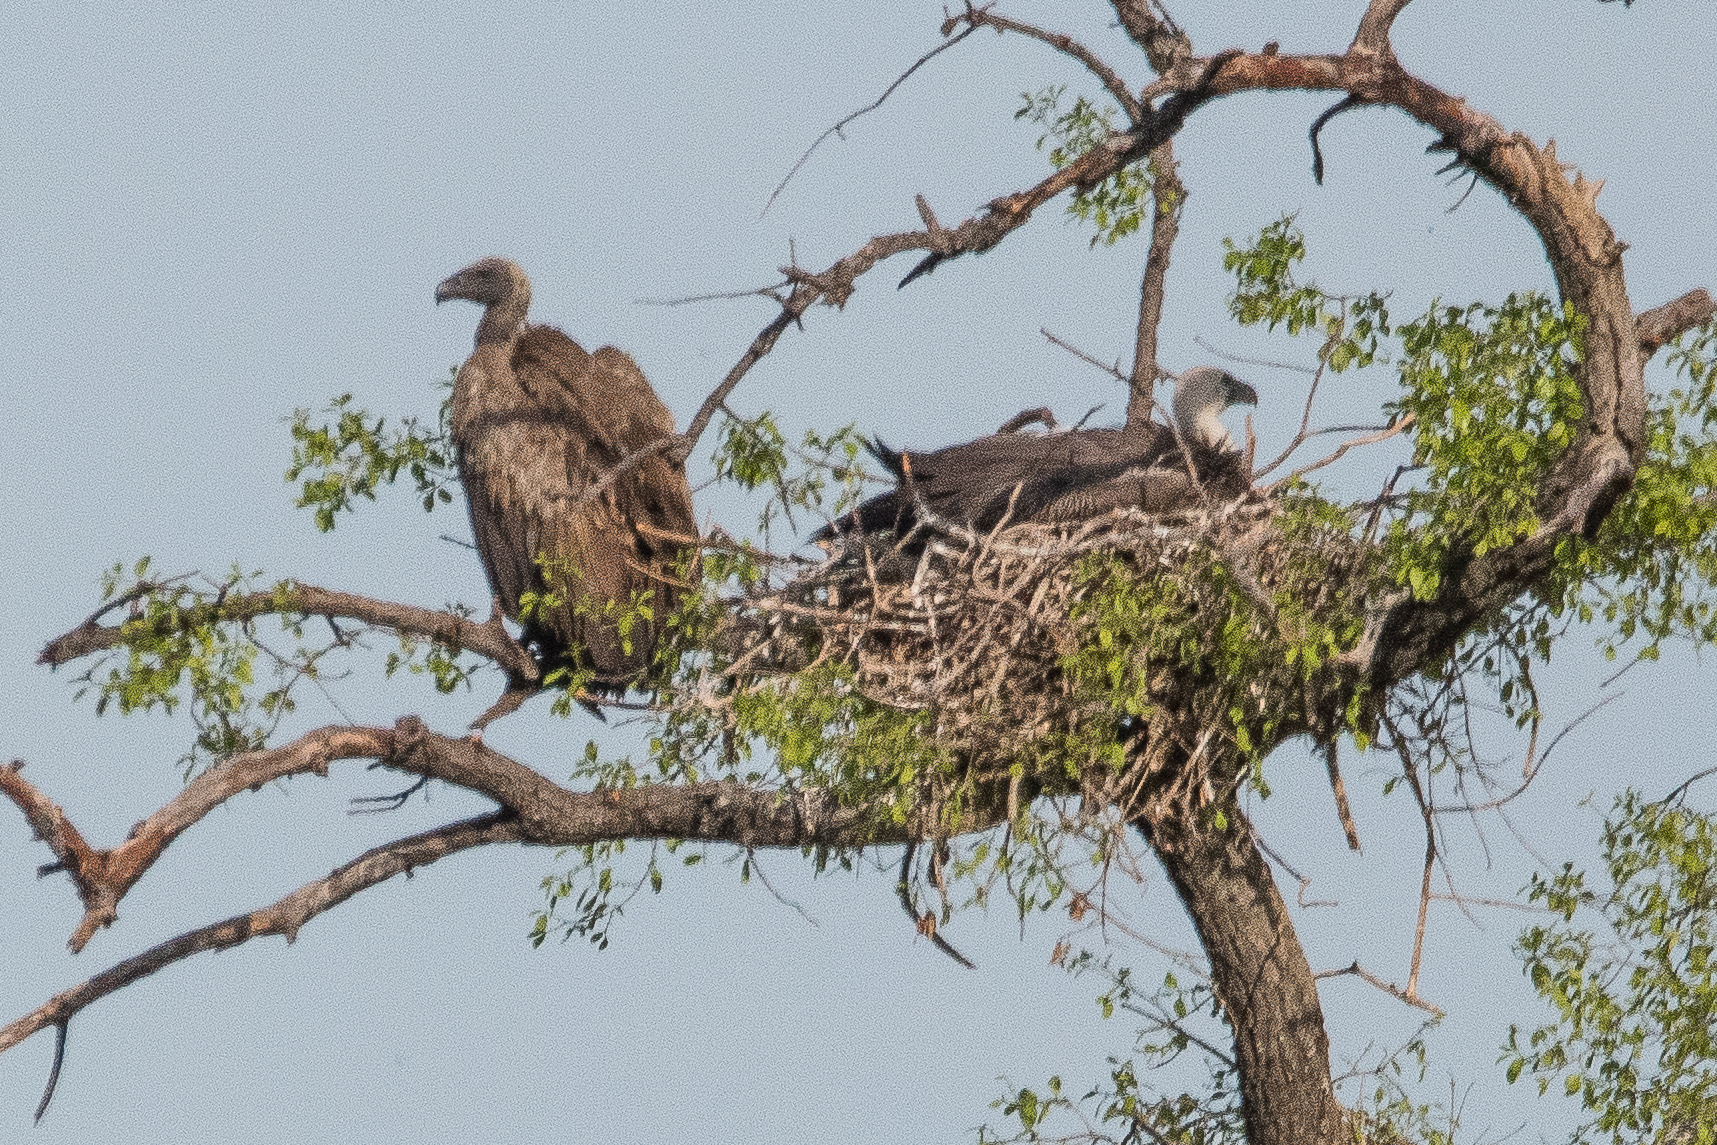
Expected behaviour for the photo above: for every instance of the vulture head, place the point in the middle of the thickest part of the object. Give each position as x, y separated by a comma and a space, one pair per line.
496, 283
1200, 395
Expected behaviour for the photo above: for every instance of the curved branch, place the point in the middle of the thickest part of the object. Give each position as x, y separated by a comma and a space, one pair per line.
489, 639
102, 877
976, 18
284, 917
546, 813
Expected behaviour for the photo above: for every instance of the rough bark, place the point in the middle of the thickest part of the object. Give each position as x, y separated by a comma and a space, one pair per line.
1259, 972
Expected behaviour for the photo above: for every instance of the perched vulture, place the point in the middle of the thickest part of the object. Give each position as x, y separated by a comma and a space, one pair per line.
1071, 476
536, 422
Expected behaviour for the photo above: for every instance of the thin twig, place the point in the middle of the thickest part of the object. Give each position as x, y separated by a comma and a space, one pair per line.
1067, 45
866, 110
1389, 988
1369, 439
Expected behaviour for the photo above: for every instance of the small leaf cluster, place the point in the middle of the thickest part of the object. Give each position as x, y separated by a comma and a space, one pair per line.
1266, 291
448, 667
1633, 1037
822, 476
1115, 207
1125, 1106
353, 454
175, 649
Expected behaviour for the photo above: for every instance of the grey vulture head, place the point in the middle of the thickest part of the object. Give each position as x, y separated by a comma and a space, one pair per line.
1200, 395
487, 281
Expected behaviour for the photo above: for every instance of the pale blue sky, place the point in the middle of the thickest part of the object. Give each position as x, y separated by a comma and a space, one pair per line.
212, 215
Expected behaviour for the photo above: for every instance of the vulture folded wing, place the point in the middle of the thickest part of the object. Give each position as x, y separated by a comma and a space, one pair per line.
1007, 476
592, 410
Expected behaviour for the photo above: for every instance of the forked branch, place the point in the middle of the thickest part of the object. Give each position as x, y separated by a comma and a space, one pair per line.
545, 812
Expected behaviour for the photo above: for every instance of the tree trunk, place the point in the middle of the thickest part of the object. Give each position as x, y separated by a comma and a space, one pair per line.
1259, 971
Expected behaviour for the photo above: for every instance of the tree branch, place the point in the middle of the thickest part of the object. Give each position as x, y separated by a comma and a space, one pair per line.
1168, 196
547, 814
1001, 217
976, 18
102, 878
1664, 324
1373, 35
489, 639
284, 917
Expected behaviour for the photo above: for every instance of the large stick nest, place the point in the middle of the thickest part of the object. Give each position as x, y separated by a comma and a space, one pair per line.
1036, 650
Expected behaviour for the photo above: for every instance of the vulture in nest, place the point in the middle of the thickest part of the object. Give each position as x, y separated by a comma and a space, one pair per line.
536, 422
1050, 478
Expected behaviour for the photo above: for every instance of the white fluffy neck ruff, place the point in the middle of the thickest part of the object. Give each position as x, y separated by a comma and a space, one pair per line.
1200, 394
1209, 429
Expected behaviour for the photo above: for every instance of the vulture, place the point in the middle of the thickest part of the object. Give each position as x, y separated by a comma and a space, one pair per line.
1072, 476
536, 422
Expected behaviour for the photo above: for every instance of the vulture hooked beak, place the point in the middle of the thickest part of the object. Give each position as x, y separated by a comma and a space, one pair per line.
1239, 393
451, 287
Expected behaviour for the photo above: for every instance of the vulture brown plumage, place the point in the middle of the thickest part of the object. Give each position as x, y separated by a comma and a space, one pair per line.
536, 421
1051, 478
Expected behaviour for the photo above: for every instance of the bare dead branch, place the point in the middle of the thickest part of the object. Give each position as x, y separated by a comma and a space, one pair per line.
976, 18
1373, 35
1347, 103
1388, 988
1114, 371
489, 639
1664, 324
1301, 435
1533, 766
771, 292
1426, 812
1369, 439
1152, 29
1499, 904
284, 917
1304, 880
924, 923
548, 814
1682, 789
1042, 415
1339, 788
60, 1033
102, 878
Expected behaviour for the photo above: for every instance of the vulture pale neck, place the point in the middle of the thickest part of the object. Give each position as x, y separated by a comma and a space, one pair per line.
501, 288
505, 317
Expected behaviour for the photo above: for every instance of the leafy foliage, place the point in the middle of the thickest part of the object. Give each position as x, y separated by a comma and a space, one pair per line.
352, 455
176, 650
1633, 1035
823, 476
1126, 1106
1115, 207
1266, 291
